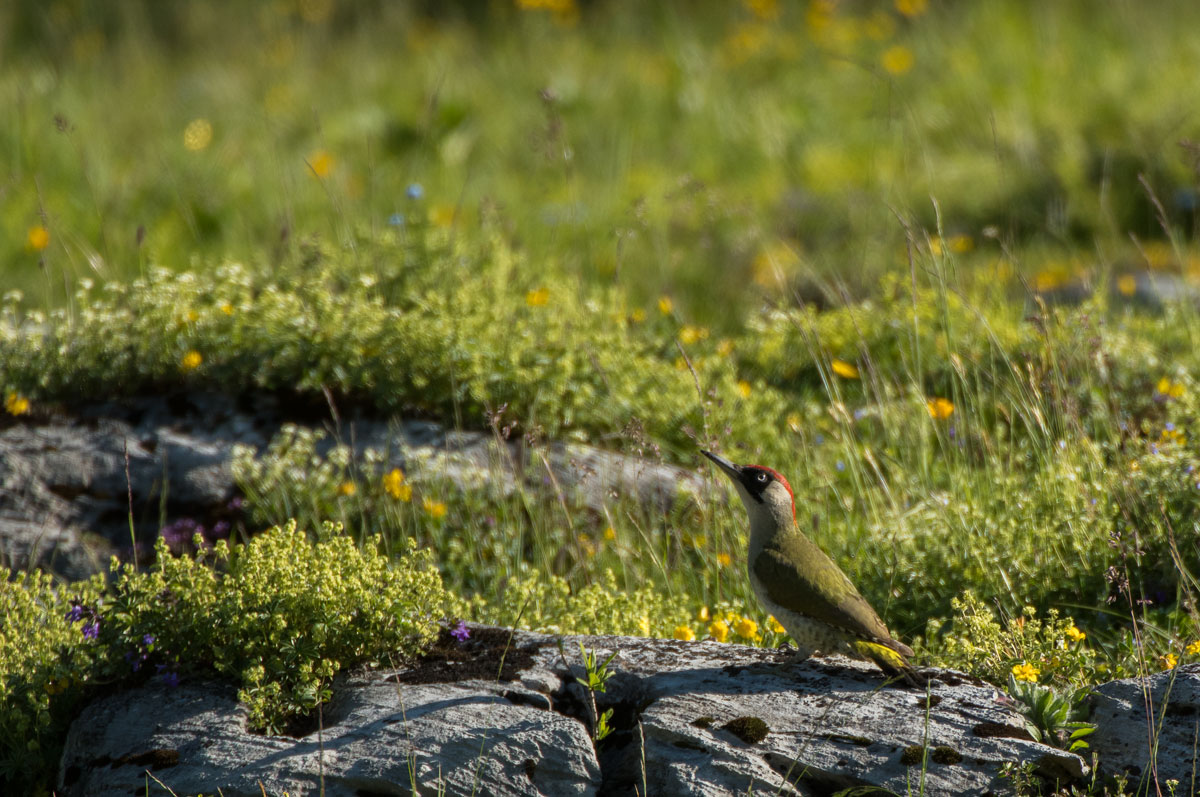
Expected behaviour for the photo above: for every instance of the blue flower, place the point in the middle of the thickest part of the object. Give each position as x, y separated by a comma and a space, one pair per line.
461, 632
841, 465
396, 219
414, 191
148, 640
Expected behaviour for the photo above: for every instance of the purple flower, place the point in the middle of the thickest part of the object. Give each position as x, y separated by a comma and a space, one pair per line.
235, 503
91, 629
148, 640
76, 613
220, 530
170, 677
461, 632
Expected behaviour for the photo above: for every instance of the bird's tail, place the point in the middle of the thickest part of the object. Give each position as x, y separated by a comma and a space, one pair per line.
890, 661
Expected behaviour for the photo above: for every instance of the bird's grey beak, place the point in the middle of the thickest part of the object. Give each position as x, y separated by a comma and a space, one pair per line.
732, 471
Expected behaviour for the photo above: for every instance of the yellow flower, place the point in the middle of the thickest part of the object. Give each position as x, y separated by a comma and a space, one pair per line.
844, 369
585, 542
638, 315
395, 486
744, 388
1127, 284
725, 347
1193, 648
685, 633
347, 489
538, 298
38, 238
442, 216
197, 135
961, 243
1075, 635
436, 509
719, 630
610, 534
897, 59
320, 163
192, 316
1025, 672
793, 421
191, 361
939, 408
1173, 436
774, 625
724, 559
16, 404
1049, 279
226, 308
644, 625
703, 614
690, 334
665, 305
912, 8
1169, 389
1168, 661
746, 628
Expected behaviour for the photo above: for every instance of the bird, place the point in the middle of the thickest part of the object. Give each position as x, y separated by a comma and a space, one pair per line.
800, 585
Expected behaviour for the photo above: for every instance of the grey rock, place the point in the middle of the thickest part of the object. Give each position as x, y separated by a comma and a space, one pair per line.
830, 724
1126, 711
69, 483
379, 737
685, 718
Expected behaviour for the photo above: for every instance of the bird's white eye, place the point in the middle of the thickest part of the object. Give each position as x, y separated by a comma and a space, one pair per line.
762, 477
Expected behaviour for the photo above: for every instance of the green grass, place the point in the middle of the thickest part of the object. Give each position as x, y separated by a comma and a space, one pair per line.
662, 233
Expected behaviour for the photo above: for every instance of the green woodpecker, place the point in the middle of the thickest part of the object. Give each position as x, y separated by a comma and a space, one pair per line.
800, 585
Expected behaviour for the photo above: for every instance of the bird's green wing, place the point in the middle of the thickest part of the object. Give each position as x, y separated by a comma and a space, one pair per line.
800, 577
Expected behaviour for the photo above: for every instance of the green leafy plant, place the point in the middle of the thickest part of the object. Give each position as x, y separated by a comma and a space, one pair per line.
1052, 718
596, 682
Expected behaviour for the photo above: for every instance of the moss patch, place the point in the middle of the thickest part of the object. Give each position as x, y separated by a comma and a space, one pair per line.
943, 754
750, 730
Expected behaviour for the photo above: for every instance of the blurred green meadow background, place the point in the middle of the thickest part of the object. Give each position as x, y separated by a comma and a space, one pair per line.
933, 261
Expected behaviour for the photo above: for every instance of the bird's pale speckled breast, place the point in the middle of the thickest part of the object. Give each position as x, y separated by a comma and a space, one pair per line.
809, 635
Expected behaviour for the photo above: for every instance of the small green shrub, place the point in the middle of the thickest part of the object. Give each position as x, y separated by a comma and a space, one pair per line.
46, 663
279, 616
1051, 649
